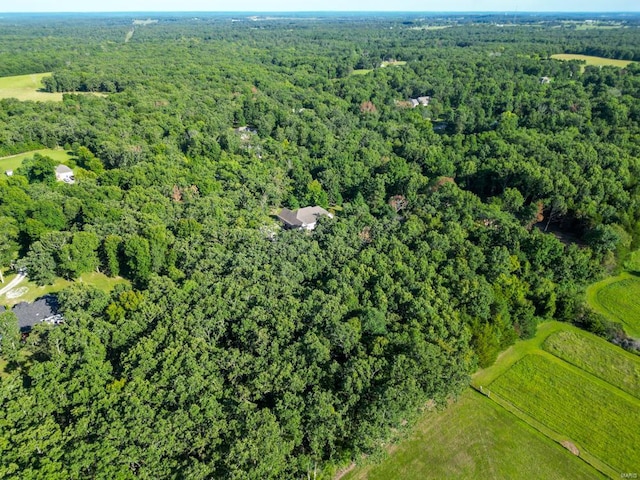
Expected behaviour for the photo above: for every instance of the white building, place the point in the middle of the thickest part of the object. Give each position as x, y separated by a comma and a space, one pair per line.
64, 174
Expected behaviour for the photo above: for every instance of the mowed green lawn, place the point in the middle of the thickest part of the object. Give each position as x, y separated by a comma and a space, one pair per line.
591, 60
598, 357
589, 412
476, 438
618, 298
26, 87
12, 162
29, 291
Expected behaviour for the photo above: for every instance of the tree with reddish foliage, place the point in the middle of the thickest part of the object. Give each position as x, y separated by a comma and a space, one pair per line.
398, 202
368, 107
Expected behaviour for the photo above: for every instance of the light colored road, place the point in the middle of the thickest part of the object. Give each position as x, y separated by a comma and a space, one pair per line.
12, 283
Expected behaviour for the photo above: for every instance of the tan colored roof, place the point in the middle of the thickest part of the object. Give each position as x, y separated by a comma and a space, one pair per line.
302, 216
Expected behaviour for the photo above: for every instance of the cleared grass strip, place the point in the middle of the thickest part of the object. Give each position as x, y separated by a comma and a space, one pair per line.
618, 298
600, 419
598, 357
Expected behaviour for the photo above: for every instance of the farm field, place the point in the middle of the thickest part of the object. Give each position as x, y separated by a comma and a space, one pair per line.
598, 357
25, 87
590, 413
618, 298
12, 162
476, 438
591, 60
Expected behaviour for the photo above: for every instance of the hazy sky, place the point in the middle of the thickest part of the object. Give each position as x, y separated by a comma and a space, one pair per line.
318, 5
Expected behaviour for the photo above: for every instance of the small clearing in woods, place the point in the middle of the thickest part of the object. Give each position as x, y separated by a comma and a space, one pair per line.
13, 162
27, 87
592, 61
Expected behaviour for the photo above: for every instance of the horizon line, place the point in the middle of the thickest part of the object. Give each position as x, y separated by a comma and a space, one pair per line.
331, 11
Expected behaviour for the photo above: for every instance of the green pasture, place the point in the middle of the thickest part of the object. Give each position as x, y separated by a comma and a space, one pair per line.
475, 438
12, 162
589, 412
618, 298
27, 87
598, 357
591, 60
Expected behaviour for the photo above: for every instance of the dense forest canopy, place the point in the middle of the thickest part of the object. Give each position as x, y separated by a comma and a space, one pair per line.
243, 350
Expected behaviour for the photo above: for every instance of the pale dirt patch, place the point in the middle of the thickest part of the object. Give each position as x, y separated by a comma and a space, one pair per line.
342, 472
571, 447
16, 292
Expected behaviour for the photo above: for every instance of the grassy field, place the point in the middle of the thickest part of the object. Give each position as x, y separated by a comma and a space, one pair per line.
511, 355
25, 87
362, 71
12, 162
598, 357
618, 298
476, 438
589, 412
590, 60
29, 291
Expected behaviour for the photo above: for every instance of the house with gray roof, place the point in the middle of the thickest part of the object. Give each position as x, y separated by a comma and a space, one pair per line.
44, 309
303, 218
64, 174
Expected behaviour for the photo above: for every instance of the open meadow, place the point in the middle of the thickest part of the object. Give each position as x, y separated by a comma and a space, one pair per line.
27, 87
591, 60
618, 298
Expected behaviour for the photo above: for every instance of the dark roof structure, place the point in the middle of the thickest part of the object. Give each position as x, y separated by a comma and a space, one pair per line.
44, 309
303, 217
